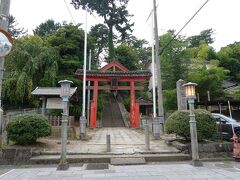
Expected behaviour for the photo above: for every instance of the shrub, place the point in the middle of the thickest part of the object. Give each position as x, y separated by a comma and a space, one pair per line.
26, 129
178, 123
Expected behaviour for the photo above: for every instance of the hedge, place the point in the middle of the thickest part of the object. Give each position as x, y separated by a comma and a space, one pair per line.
178, 123
26, 129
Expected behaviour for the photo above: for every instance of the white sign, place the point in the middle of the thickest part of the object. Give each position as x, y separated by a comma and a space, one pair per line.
54, 103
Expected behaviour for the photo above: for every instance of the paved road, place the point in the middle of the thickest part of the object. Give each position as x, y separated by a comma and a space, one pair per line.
164, 171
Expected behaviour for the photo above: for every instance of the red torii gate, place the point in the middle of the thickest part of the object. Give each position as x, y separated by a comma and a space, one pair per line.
115, 72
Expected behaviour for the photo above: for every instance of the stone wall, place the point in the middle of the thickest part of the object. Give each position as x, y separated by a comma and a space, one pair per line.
124, 112
207, 150
56, 132
15, 155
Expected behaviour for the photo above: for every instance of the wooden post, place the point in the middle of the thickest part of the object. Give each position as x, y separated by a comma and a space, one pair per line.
94, 106
132, 104
92, 114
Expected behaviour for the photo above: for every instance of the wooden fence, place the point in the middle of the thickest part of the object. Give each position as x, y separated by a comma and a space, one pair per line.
57, 120
54, 121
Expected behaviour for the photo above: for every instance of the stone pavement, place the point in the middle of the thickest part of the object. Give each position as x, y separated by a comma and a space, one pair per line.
123, 141
166, 171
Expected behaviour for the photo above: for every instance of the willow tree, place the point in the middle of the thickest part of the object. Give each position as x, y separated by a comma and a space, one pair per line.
114, 13
30, 64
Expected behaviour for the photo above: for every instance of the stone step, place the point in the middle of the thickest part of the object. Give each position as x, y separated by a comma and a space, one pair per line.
54, 159
128, 161
115, 151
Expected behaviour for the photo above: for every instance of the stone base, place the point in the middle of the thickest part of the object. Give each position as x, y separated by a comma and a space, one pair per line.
82, 136
156, 136
237, 159
197, 163
63, 166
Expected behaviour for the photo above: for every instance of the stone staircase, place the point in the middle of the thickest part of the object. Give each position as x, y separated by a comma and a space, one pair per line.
112, 116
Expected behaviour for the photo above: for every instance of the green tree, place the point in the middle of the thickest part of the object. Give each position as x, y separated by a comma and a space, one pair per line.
30, 64
229, 58
69, 42
46, 28
236, 93
14, 29
209, 80
142, 49
174, 59
99, 33
170, 100
205, 35
114, 13
127, 56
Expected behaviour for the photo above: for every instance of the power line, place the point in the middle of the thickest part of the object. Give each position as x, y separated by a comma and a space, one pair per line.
70, 13
150, 14
183, 26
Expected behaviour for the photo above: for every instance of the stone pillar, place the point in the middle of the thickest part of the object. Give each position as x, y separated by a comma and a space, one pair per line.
193, 132
63, 165
43, 105
181, 96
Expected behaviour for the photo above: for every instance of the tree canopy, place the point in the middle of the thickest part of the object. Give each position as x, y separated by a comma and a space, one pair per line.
205, 35
30, 64
43, 61
46, 28
115, 15
14, 29
99, 33
56, 51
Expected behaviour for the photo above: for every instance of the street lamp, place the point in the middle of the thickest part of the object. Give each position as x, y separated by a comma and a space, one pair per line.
64, 94
190, 95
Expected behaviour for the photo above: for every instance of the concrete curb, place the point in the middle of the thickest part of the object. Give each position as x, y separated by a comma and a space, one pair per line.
53, 159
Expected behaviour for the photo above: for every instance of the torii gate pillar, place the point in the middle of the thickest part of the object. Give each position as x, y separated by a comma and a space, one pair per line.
134, 108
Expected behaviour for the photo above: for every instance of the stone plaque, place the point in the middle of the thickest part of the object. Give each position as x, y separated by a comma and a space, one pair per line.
181, 96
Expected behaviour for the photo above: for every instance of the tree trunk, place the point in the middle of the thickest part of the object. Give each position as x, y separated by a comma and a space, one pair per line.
110, 44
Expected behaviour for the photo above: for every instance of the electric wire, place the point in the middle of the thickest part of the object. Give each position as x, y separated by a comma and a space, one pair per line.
70, 13
162, 49
151, 13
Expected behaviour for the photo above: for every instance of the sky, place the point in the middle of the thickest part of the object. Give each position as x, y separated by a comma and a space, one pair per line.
220, 15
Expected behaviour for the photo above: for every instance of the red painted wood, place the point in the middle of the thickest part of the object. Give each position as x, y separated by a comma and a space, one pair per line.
121, 79
132, 78
94, 113
137, 116
132, 104
118, 88
113, 65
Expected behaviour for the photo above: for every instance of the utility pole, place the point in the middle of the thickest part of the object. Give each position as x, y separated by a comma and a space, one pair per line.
83, 120
4, 14
89, 91
159, 78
